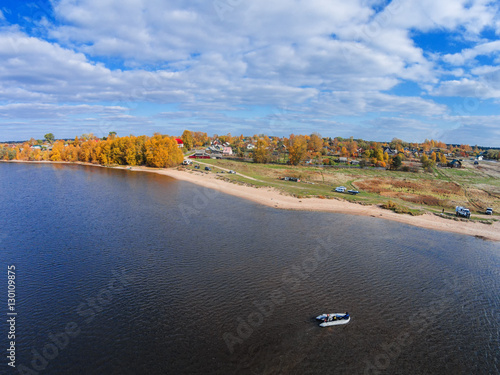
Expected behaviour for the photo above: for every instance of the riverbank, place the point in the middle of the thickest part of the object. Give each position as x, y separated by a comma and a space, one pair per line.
273, 198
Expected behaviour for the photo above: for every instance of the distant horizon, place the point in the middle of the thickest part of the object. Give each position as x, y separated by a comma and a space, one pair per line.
250, 136
373, 69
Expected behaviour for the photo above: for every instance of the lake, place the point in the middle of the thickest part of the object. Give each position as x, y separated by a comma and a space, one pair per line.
123, 272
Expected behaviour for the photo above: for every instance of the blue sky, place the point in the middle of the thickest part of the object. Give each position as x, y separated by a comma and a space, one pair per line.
371, 69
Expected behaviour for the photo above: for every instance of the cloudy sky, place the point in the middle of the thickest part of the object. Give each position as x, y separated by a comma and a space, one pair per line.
372, 69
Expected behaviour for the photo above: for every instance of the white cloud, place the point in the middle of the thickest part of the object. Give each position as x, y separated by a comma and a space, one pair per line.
41, 111
317, 58
484, 49
360, 103
471, 88
425, 15
474, 130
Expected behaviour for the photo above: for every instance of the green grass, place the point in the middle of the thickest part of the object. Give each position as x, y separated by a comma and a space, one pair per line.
321, 182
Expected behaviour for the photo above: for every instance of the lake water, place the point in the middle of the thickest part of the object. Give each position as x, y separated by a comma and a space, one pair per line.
120, 272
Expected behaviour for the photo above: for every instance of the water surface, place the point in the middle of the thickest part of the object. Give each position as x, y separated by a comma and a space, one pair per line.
164, 277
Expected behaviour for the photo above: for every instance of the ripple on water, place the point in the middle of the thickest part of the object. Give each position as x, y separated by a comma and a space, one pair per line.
189, 284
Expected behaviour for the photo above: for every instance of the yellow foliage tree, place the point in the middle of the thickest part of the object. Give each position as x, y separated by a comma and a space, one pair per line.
187, 139
262, 153
57, 151
297, 149
162, 151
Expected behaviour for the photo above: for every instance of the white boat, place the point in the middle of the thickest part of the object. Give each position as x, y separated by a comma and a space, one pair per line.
333, 319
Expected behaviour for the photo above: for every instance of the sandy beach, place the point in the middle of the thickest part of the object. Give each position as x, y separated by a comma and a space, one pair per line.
273, 198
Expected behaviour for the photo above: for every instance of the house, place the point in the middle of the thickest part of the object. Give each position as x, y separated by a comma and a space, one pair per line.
250, 146
354, 162
179, 142
200, 154
215, 149
455, 164
389, 151
227, 150
342, 159
480, 157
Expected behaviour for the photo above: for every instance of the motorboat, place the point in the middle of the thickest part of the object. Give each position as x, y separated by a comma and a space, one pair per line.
333, 319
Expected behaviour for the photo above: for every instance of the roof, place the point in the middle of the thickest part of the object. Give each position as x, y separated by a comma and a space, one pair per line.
179, 141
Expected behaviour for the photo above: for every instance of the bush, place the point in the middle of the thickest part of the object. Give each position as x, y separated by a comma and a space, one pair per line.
393, 206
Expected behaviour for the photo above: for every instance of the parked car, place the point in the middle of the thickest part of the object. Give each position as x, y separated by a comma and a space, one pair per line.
294, 179
462, 211
187, 162
208, 168
489, 211
353, 192
340, 189
232, 172
196, 167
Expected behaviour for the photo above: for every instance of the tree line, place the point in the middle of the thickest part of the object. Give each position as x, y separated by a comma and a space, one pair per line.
163, 151
157, 151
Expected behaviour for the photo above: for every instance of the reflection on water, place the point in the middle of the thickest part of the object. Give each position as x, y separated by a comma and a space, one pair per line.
235, 287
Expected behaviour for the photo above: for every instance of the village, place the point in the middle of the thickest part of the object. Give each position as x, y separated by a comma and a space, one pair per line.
406, 178
454, 181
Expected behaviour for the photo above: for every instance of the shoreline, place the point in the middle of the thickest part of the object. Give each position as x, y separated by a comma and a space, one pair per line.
272, 198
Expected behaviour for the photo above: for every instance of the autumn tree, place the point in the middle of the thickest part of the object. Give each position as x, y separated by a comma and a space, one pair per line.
57, 151
433, 156
378, 154
297, 149
315, 143
162, 151
200, 139
427, 163
187, 139
103, 152
262, 154
352, 148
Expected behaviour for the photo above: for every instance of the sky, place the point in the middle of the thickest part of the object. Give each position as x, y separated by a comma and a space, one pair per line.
371, 69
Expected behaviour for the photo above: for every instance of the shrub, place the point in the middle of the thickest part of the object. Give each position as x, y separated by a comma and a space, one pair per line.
393, 206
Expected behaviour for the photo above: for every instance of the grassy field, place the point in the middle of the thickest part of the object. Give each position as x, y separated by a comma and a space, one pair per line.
474, 186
